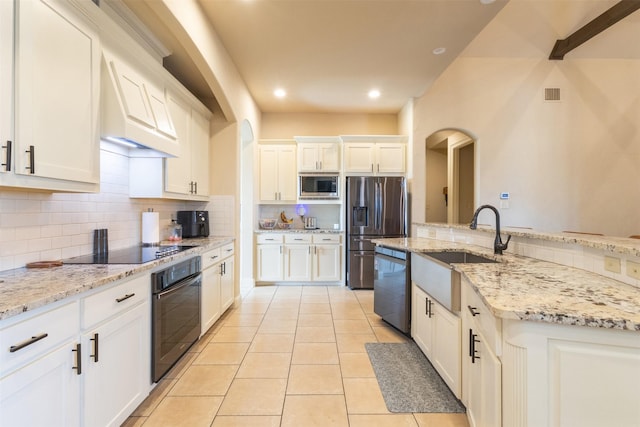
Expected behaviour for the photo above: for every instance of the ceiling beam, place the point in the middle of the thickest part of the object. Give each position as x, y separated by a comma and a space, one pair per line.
617, 12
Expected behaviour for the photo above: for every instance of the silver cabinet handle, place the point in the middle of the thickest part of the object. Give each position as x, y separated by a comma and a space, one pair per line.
28, 342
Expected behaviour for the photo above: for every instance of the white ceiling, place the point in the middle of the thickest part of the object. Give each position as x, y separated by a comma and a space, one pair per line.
327, 54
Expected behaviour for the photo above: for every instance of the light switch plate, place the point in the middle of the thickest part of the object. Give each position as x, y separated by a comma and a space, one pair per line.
633, 269
612, 264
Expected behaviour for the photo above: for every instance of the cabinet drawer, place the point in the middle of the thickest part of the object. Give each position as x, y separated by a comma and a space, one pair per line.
210, 257
297, 238
269, 238
226, 250
326, 238
115, 299
59, 325
483, 320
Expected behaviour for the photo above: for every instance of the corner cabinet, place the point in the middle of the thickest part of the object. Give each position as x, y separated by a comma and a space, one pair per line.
185, 176
318, 154
278, 173
188, 174
374, 155
57, 93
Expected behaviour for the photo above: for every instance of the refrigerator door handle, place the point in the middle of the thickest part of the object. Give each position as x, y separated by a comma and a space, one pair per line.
378, 206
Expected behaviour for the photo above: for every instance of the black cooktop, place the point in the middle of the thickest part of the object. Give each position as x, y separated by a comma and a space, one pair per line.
132, 255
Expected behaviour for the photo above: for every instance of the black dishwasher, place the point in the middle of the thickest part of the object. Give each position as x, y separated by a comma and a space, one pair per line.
392, 287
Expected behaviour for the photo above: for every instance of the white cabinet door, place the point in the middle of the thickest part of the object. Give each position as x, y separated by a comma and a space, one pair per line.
321, 157
133, 94
160, 111
446, 347
45, 392
200, 153
390, 158
227, 287
297, 263
178, 169
278, 173
6, 83
211, 305
420, 327
57, 92
359, 158
117, 367
482, 390
269, 265
327, 263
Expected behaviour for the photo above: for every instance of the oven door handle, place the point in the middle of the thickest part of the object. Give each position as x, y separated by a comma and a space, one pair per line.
179, 285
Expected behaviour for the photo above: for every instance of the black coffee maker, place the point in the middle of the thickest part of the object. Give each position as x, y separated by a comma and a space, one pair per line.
194, 223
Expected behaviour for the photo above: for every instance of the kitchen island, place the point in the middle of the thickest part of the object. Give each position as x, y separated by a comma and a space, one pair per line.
540, 343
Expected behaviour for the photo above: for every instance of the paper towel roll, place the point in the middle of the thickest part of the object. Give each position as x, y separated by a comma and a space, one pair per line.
150, 228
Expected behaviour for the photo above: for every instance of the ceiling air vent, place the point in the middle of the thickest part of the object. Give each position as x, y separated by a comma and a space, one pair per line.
552, 94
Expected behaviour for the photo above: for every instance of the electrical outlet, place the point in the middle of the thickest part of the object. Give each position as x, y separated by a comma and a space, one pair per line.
633, 269
612, 264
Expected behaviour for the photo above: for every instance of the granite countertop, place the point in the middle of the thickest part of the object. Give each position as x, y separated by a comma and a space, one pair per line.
621, 245
300, 230
25, 289
522, 288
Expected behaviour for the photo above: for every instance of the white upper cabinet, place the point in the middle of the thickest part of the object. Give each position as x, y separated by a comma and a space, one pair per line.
318, 154
56, 99
278, 173
375, 155
188, 173
6, 79
185, 176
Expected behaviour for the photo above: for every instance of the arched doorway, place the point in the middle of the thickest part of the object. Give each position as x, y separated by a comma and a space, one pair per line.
450, 177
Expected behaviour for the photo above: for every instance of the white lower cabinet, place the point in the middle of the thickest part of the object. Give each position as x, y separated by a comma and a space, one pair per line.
218, 284
481, 367
436, 331
298, 257
85, 362
39, 381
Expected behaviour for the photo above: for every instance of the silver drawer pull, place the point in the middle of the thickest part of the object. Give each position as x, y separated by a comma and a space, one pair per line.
126, 297
26, 343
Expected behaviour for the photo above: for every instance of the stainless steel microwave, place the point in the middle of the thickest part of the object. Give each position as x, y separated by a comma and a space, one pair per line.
319, 186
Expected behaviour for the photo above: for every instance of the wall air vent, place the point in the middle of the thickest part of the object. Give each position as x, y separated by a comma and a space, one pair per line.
552, 94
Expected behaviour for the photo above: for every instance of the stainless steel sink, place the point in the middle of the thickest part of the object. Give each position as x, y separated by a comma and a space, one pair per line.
433, 273
459, 257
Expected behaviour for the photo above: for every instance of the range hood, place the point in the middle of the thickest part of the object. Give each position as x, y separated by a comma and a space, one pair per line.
134, 110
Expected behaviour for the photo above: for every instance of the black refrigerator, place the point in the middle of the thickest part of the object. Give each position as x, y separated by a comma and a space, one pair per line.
376, 207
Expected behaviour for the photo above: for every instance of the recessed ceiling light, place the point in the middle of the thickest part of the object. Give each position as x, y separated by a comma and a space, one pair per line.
439, 50
487, 1
374, 93
280, 93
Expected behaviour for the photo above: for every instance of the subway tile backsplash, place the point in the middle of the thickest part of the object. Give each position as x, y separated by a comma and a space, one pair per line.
38, 226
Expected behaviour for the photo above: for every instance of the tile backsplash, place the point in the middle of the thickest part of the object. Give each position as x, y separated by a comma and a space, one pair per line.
38, 226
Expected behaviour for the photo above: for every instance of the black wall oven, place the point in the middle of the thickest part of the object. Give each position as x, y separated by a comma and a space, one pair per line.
175, 313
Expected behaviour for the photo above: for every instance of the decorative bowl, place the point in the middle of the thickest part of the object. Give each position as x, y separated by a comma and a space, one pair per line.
285, 225
267, 223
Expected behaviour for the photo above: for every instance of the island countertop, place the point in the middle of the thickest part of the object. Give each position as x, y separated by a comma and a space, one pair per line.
522, 288
25, 289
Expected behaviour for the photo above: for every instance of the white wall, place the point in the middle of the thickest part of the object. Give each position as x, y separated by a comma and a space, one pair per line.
569, 165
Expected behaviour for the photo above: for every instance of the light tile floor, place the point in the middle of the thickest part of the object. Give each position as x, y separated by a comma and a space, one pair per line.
286, 356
